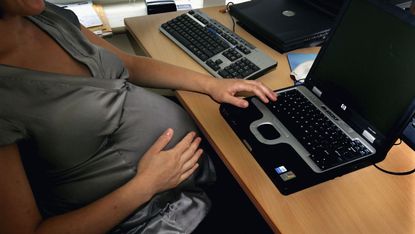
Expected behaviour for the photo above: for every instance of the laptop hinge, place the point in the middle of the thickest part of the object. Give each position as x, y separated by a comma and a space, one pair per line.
317, 91
369, 136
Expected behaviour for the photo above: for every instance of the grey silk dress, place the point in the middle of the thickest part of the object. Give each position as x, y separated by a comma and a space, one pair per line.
81, 137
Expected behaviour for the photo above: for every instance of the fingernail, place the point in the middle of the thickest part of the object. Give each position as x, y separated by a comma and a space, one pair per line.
168, 132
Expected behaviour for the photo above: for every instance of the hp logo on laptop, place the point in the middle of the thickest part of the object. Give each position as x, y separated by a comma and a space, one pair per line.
288, 13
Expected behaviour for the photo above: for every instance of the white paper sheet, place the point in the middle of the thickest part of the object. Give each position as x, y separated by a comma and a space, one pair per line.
86, 13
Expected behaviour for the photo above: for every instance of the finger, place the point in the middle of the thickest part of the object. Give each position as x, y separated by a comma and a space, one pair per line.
161, 142
188, 173
256, 88
267, 91
247, 86
187, 154
192, 160
184, 143
236, 101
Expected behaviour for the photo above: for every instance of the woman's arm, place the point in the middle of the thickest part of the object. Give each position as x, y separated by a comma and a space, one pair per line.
158, 170
148, 72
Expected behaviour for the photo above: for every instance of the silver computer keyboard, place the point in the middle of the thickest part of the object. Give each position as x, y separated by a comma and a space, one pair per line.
219, 50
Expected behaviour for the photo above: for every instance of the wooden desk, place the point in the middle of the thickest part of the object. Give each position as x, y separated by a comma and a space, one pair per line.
365, 201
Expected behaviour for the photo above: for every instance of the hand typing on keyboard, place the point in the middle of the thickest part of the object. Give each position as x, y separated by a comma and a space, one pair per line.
222, 53
225, 91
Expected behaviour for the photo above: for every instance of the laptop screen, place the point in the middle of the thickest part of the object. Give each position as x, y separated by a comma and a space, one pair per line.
368, 67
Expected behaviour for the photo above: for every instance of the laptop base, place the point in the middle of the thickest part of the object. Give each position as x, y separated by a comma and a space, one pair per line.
283, 165
283, 25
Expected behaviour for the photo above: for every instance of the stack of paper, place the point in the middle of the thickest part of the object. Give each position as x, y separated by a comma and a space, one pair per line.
86, 13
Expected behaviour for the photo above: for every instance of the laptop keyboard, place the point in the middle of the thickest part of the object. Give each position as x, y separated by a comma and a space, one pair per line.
220, 51
327, 144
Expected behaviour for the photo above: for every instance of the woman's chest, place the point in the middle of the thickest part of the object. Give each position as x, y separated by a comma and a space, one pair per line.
40, 52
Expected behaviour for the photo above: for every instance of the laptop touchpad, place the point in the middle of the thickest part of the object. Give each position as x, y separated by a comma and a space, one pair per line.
268, 131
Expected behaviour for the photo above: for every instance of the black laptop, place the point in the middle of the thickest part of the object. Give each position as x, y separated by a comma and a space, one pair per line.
287, 24
356, 100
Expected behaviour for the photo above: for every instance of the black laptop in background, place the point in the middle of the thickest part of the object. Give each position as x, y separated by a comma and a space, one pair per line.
287, 24
356, 100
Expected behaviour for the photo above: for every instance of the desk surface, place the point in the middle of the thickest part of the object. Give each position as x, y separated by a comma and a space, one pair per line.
365, 201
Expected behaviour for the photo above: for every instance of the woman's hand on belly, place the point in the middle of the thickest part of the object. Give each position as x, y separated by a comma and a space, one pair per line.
165, 169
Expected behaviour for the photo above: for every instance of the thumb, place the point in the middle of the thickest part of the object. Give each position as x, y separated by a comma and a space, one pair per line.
161, 142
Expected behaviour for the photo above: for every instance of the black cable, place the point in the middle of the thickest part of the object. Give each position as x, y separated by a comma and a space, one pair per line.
400, 142
227, 10
393, 172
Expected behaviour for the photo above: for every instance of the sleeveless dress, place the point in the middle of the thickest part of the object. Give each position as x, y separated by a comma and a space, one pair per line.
81, 138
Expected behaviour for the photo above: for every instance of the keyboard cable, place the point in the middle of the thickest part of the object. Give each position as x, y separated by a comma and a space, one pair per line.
226, 10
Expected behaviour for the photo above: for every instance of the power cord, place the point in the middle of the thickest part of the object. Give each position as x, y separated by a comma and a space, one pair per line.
400, 142
394, 172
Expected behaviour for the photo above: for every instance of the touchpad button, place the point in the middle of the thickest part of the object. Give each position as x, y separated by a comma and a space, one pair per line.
268, 131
